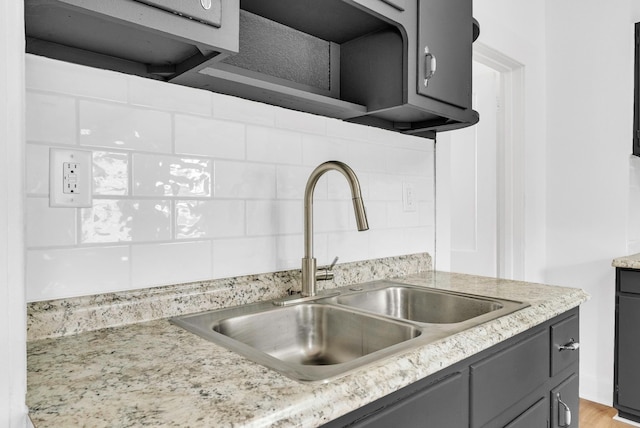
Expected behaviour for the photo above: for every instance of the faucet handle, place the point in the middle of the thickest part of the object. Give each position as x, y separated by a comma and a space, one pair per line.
326, 273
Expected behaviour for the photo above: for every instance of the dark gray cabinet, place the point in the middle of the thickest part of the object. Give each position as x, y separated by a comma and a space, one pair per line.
159, 39
359, 60
534, 416
448, 47
626, 397
436, 71
514, 384
442, 404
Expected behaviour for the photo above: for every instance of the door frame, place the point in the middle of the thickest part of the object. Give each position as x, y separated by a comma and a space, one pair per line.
510, 176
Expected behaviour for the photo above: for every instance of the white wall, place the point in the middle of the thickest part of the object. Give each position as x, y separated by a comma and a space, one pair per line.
590, 93
516, 30
12, 296
191, 185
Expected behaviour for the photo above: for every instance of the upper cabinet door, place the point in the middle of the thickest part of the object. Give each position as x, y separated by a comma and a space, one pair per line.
205, 11
445, 37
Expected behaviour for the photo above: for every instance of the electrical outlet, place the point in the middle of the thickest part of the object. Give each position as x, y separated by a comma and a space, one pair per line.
70, 178
408, 197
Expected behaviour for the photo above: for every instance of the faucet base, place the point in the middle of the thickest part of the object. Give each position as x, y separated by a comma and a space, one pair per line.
308, 276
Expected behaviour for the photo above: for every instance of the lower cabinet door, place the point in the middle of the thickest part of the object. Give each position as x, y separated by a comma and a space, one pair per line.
441, 405
535, 416
628, 353
565, 403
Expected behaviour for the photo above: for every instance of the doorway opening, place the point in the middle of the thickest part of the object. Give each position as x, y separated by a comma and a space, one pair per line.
480, 176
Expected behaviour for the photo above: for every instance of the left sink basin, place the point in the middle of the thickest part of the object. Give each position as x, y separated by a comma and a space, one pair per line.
307, 342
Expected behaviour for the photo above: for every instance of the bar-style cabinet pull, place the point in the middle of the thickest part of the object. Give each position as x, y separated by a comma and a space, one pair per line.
429, 65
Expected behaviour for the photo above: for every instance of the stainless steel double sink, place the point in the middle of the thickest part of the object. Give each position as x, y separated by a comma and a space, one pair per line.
327, 337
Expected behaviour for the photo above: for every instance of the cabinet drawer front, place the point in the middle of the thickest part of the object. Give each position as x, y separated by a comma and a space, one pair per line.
194, 9
494, 388
565, 332
534, 416
629, 281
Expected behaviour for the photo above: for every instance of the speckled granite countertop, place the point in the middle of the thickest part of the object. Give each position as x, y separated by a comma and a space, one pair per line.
156, 374
630, 262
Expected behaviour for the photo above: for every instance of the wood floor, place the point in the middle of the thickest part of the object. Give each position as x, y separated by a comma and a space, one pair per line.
595, 415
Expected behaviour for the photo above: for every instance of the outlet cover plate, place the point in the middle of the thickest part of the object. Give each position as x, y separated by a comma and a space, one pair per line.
70, 178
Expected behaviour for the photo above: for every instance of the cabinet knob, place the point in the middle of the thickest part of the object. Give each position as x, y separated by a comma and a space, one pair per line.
564, 410
569, 346
429, 65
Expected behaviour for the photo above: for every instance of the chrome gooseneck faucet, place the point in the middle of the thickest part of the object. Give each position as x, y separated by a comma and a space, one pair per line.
309, 262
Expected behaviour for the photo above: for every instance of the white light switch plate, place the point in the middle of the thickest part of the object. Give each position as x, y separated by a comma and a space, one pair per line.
70, 178
408, 197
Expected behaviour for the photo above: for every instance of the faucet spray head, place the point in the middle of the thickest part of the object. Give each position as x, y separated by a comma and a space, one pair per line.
361, 214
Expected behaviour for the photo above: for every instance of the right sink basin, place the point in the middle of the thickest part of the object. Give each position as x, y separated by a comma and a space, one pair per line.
428, 306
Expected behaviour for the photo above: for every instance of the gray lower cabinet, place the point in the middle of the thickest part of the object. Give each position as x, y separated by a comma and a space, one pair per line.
528, 381
626, 397
442, 404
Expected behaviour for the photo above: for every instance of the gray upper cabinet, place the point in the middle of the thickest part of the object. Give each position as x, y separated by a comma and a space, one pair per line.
434, 72
159, 39
357, 60
444, 71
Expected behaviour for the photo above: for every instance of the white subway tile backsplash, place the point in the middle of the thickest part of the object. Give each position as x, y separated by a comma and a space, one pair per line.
376, 215
385, 187
160, 95
110, 173
37, 169
423, 187
73, 272
235, 257
347, 130
193, 185
332, 216
156, 175
369, 157
244, 180
419, 239
292, 180
122, 127
398, 217
383, 242
338, 186
161, 264
209, 137
113, 220
236, 109
318, 149
300, 121
50, 118
273, 146
290, 250
426, 213
209, 219
274, 217
408, 162
72, 79
49, 226
349, 246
